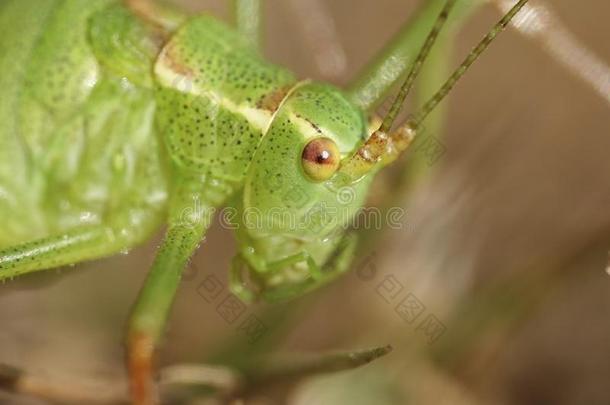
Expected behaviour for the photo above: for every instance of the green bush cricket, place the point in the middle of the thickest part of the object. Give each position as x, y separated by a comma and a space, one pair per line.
119, 117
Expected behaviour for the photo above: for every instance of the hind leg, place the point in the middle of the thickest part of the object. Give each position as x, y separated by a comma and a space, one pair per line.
378, 77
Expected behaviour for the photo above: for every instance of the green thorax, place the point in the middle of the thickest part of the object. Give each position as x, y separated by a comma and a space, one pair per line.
216, 97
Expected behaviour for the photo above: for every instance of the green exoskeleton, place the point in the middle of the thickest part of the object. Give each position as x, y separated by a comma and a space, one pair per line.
119, 117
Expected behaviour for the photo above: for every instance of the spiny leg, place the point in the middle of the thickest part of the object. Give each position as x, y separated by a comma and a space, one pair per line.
150, 313
78, 245
369, 89
247, 15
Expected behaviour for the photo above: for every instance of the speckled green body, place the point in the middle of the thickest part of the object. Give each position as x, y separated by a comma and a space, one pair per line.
77, 144
104, 116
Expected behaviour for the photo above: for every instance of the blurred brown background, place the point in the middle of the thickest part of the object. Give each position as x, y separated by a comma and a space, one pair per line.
505, 243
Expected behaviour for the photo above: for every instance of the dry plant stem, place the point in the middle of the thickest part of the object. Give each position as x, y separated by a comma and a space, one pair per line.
539, 22
294, 370
62, 391
320, 35
227, 382
217, 377
508, 303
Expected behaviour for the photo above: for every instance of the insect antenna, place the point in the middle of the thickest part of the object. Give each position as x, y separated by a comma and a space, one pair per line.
376, 146
470, 59
405, 89
384, 147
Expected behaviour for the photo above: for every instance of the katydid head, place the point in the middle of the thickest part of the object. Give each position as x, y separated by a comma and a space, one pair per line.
293, 215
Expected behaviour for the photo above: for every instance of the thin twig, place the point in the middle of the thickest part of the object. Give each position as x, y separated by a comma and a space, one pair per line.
288, 371
226, 382
217, 377
320, 35
540, 22
63, 390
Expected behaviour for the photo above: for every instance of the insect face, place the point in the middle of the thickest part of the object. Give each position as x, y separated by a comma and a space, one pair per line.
293, 218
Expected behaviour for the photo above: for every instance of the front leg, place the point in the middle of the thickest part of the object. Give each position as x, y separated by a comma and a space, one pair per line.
338, 264
377, 78
149, 316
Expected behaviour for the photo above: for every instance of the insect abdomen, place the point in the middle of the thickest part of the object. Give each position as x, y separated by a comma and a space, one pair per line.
75, 136
22, 24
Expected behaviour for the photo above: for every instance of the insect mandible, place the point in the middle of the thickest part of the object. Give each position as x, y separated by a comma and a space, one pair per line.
119, 117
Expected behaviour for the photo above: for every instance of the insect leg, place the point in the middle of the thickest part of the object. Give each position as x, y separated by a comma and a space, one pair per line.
157, 13
319, 32
247, 15
150, 313
240, 265
377, 78
80, 244
238, 283
341, 262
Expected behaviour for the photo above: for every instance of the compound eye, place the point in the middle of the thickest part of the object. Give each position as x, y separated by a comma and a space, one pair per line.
320, 159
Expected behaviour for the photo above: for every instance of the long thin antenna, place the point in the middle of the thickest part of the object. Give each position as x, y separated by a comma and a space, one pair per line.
459, 72
416, 68
383, 147
378, 145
